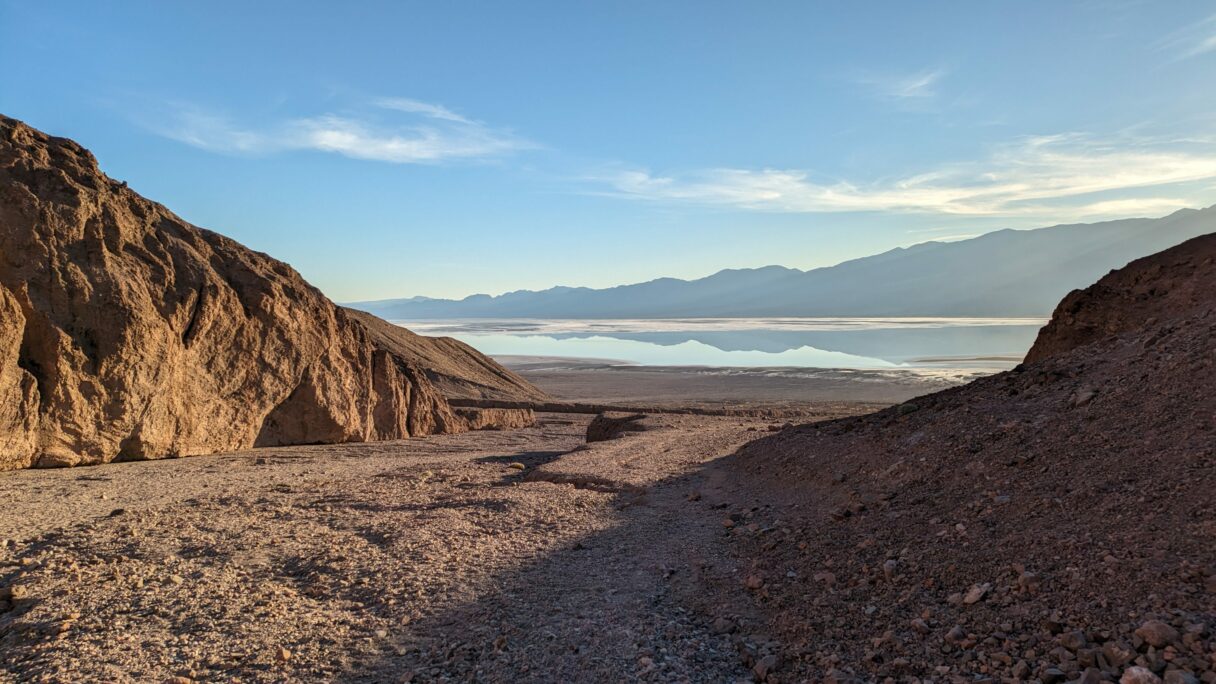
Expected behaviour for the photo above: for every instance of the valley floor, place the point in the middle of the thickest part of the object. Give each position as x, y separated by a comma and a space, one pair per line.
589, 381
487, 556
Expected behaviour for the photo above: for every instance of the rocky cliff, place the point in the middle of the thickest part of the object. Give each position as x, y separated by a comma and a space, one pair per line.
127, 333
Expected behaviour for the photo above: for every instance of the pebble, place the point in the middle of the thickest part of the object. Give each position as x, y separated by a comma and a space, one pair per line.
1180, 677
976, 593
1053, 675
14, 593
283, 655
1073, 641
1157, 634
517, 466
753, 581
1091, 675
956, 634
1139, 675
766, 666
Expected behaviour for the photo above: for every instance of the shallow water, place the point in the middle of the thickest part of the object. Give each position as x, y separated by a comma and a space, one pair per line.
870, 343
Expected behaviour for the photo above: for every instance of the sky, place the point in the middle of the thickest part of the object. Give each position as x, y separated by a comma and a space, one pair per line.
394, 149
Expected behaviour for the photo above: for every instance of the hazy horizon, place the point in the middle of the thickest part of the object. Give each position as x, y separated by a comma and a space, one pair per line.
442, 150
731, 268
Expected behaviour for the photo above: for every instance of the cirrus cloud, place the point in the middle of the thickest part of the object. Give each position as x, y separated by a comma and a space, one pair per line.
414, 132
1069, 175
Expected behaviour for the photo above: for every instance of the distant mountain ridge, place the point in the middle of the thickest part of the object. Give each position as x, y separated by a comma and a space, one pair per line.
1006, 273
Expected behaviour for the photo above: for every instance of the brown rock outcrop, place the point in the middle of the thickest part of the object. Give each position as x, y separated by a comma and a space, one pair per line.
1156, 288
457, 370
127, 333
496, 419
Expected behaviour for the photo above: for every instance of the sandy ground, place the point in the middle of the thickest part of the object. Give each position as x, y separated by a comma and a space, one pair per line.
606, 382
489, 556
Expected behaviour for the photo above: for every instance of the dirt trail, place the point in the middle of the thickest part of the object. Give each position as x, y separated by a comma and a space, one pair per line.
423, 560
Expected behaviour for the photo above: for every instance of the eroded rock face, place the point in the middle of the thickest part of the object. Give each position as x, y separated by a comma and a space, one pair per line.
457, 370
127, 333
496, 419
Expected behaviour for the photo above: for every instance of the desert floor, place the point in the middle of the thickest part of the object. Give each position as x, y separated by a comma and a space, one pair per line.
487, 556
604, 383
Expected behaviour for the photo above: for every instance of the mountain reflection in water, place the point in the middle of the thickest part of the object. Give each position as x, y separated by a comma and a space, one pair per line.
784, 342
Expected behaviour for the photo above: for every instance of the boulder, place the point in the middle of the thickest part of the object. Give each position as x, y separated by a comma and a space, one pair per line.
606, 426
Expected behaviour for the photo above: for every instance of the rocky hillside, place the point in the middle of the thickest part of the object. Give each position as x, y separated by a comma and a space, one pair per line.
1052, 523
1148, 291
127, 333
457, 370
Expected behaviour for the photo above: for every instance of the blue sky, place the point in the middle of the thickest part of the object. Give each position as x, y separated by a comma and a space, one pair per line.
445, 148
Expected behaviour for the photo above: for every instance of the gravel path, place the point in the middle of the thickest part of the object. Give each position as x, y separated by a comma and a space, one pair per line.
490, 556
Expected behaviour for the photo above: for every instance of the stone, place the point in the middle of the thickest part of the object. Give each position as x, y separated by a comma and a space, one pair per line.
753, 581
766, 666
1053, 675
976, 593
1117, 654
606, 426
1073, 641
1179, 677
1091, 675
1139, 675
1082, 396
919, 626
282, 655
14, 593
1157, 633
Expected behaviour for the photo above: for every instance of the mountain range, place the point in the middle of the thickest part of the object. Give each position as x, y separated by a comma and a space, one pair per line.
1007, 273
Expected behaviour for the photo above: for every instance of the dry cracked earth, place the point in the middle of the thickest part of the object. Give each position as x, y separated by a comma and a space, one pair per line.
488, 556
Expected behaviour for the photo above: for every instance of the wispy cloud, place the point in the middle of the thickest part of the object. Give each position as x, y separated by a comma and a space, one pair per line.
1194, 40
920, 85
433, 111
1048, 175
427, 133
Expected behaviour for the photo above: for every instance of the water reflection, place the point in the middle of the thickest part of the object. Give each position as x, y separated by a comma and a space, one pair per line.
817, 343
